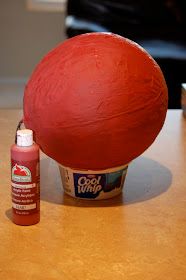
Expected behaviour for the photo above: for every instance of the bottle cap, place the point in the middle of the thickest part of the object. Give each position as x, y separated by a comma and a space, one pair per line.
24, 137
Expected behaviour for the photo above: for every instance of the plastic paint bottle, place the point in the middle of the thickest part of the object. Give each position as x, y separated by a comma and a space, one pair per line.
25, 179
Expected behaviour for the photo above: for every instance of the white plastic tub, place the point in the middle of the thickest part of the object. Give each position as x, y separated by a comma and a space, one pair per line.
91, 184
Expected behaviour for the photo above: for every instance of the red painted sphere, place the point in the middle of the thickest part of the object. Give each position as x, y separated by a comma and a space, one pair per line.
96, 101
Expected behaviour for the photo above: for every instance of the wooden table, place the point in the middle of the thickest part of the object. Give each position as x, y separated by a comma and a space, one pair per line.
138, 235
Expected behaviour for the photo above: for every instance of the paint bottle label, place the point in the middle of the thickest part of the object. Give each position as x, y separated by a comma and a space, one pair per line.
25, 187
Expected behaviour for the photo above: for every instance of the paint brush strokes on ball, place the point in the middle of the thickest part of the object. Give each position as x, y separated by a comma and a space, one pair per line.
96, 101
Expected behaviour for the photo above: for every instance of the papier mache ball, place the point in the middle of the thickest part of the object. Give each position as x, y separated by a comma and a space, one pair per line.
96, 101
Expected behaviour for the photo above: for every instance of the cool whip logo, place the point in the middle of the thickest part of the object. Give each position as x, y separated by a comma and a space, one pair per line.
88, 186
21, 174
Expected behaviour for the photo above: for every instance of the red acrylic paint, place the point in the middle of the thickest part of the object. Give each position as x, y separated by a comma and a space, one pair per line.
25, 179
95, 102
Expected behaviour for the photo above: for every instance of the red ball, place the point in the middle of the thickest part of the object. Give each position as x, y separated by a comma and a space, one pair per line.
96, 101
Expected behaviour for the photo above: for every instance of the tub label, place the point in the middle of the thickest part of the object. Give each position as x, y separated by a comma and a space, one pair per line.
88, 186
91, 185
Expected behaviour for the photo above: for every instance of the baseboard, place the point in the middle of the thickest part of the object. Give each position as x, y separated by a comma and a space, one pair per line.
47, 5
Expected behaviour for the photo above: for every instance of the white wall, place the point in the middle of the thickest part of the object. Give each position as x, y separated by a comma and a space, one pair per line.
25, 36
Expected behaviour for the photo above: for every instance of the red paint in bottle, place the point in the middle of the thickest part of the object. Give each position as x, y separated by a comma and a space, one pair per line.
25, 179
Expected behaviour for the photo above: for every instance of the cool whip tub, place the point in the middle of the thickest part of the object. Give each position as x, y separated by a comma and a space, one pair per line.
94, 185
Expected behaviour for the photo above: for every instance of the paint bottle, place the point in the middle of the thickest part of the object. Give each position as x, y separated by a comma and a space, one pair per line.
25, 179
